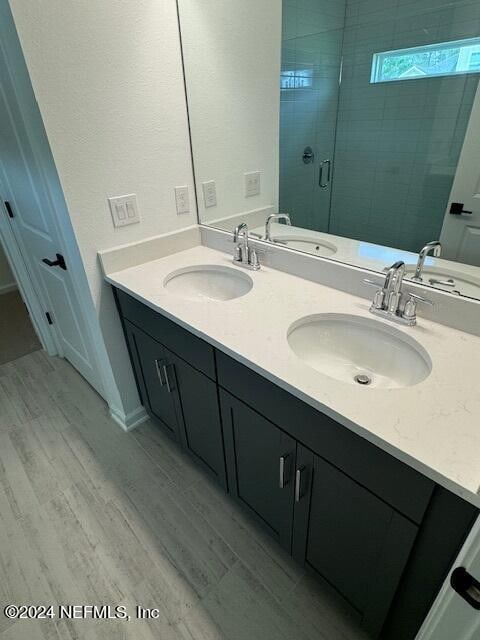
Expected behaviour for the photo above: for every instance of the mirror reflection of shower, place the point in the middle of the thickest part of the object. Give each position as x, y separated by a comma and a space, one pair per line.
375, 102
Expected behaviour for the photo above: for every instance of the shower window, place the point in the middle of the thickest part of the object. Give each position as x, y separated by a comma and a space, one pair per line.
442, 59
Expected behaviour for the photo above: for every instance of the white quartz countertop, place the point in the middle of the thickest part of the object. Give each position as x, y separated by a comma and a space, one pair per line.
433, 426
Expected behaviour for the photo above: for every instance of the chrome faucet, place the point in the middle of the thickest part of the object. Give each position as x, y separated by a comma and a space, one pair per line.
275, 217
393, 286
391, 302
431, 247
244, 255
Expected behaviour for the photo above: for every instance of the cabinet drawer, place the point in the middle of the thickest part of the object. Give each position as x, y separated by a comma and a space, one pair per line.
393, 481
192, 349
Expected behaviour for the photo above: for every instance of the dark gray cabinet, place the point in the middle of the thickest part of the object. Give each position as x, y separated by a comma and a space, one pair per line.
337, 528
151, 371
196, 400
351, 538
260, 462
182, 400
348, 511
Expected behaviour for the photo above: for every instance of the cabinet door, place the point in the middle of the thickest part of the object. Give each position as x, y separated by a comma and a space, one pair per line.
150, 362
354, 540
260, 467
198, 412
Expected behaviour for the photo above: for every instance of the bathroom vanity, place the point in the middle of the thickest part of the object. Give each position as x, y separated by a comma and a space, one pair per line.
334, 471
352, 437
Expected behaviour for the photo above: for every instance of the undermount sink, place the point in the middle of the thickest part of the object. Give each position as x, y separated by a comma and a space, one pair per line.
208, 282
307, 245
359, 351
438, 277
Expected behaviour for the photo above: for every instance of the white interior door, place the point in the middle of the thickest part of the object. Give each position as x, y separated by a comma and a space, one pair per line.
461, 233
34, 227
452, 617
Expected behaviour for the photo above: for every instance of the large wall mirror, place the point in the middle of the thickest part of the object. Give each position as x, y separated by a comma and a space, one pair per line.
360, 119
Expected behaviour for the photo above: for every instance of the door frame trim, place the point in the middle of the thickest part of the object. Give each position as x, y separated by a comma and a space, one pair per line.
470, 550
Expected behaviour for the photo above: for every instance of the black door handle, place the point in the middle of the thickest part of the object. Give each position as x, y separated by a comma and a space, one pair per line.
466, 586
59, 262
9, 209
456, 209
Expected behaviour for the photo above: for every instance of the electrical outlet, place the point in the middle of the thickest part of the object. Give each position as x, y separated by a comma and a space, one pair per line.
182, 200
252, 184
209, 194
124, 210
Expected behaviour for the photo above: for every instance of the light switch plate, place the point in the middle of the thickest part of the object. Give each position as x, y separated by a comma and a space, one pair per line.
124, 210
209, 194
252, 184
182, 199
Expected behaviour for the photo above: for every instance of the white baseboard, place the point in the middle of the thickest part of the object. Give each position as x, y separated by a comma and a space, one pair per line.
7, 288
129, 421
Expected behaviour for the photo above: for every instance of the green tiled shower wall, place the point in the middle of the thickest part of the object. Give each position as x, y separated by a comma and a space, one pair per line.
395, 145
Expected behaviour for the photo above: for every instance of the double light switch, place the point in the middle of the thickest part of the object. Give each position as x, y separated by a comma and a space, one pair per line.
124, 210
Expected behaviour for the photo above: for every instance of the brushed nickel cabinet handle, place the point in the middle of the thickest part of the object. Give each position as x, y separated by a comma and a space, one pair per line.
158, 365
298, 484
283, 464
170, 386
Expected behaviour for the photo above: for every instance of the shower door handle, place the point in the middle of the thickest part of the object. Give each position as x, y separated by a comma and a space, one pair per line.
323, 164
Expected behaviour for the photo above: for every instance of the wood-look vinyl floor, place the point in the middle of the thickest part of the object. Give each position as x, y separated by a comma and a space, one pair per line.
92, 515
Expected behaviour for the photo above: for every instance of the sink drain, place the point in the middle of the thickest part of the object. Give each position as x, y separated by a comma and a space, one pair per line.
363, 379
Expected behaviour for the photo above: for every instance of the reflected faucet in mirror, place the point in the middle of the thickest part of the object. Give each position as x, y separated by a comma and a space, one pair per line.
275, 217
433, 247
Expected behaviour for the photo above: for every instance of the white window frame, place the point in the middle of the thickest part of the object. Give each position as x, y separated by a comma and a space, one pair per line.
378, 59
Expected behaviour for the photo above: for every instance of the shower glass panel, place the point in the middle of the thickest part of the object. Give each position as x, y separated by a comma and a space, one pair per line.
312, 41
393, 145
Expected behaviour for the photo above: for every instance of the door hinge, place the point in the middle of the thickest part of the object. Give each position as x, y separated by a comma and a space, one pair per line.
49, 318
9, 209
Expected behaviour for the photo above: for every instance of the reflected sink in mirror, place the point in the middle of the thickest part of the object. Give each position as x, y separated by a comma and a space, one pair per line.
307, 245
359, 351
208, 282
449, 280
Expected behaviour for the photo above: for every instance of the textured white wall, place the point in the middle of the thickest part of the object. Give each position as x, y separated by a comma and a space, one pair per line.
108, 80
6, 276
232, 54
